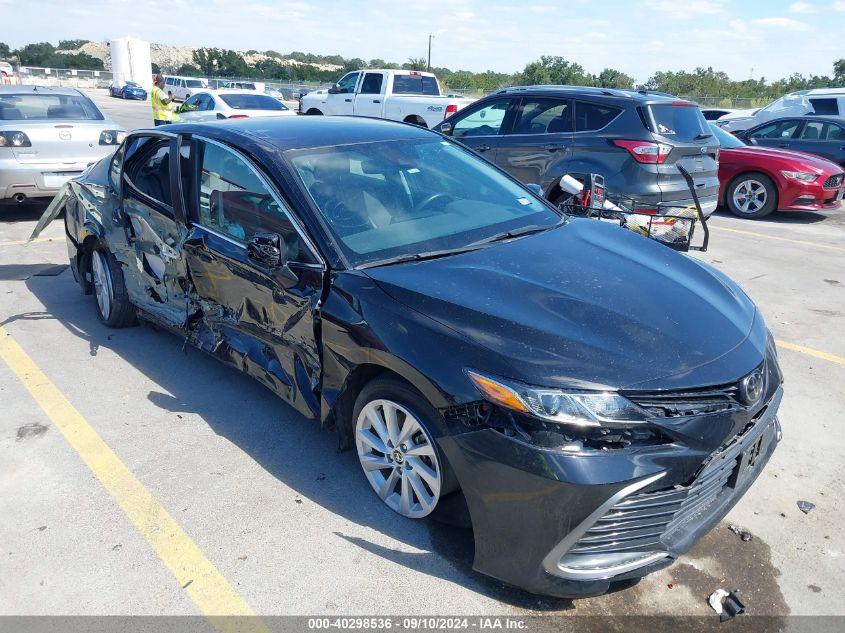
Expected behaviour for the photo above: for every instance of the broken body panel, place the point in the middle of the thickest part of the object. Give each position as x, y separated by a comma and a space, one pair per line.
582, 306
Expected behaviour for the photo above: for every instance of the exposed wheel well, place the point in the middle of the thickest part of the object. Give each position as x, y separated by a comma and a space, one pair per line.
359, 378
314, 112
416, 119
88, 246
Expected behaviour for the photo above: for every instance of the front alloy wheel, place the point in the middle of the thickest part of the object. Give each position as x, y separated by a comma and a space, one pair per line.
752, 196
398, 457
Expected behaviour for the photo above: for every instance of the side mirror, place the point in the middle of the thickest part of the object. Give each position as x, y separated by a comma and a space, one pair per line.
265, 249
445, 128
334, 90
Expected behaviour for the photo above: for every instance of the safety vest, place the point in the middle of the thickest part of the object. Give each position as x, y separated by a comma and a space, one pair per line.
161, 110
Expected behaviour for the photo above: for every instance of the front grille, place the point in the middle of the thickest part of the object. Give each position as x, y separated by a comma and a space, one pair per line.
637, 523
833, 181
670, 404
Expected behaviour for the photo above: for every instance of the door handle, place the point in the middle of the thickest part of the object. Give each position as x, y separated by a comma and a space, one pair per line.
553, 148
348, 100
376, 101
784, 145
482, 148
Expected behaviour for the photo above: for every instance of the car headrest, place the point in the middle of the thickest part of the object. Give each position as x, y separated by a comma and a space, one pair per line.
560, 124
64, 111
331, 167
10, 114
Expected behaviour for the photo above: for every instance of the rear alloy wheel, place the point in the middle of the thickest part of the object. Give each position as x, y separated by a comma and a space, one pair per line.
113, 305
751, 196
399, 458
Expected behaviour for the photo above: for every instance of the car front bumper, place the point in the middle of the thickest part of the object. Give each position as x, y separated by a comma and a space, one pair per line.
36, 180
811, 198
569, 525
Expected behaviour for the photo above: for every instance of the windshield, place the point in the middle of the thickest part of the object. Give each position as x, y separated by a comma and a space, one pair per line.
194, 83
399, 198
31, 106
726, 139
252, 102
678, 122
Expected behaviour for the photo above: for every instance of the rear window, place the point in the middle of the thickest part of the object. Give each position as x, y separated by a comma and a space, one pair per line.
677, 122
47, 107
415, 85
825, 106
253, 102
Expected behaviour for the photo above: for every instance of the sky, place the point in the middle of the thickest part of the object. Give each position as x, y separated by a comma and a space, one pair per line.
748, 38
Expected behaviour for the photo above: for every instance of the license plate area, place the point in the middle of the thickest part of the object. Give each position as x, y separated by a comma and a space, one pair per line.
54, 180
749, 459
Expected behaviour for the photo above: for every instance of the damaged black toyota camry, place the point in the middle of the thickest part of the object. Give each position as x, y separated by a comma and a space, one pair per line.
588, 400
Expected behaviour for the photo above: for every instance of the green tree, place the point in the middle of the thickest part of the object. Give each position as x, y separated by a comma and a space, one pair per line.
353, 64
415, 63
71, 45
611, 78
4, 50
552, 70
40, 54
188, 70
838, 71
156, 69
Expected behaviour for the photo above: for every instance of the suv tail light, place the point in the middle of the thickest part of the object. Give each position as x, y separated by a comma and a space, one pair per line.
450, 110
645, 151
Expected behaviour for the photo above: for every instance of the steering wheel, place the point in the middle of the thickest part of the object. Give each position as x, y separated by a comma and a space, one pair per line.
422, 206
347, 221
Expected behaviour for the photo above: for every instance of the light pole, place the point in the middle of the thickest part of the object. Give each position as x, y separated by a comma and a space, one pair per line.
429, 51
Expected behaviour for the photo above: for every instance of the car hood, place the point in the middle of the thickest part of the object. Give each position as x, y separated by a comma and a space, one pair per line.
785, 155
739, 114
586, 304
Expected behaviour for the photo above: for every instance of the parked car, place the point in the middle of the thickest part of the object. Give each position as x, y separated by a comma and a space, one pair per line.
823, 136
127, 90
255, 86
209, 105
635, 140
821, 101
6, 71
180, 88
47, 136
754, 181
399, 95
711, 114
550, 381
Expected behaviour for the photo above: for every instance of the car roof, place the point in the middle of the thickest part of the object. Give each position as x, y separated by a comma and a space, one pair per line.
642, 96
284, 133
52, 90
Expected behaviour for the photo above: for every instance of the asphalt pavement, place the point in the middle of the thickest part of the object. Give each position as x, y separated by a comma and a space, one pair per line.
137, 478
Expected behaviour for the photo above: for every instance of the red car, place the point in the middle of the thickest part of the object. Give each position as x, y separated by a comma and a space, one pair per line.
754, 181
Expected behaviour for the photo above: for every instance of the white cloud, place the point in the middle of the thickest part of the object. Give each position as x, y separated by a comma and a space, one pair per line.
804, 7
688, 9
786, 24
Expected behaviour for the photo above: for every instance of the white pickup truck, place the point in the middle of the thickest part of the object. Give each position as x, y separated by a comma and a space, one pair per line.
400, 95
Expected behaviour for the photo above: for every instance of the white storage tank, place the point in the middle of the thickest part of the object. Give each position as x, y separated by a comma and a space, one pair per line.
131, 61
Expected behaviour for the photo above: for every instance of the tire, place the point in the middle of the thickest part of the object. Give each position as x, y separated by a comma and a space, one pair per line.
751, 195
314, 112
404, 466
416, 120
112, 301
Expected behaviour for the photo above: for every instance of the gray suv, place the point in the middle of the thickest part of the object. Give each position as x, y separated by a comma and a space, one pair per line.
636, 140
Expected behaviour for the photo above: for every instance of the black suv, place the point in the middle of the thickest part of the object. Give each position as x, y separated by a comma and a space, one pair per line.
634, 139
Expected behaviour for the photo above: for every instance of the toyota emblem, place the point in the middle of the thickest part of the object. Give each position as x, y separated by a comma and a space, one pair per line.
751, 387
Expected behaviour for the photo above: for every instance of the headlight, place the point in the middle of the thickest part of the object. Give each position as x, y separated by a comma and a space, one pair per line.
14, 139
111, 137
803, 176
580, 408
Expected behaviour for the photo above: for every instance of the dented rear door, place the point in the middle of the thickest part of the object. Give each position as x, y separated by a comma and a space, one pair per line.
261, 319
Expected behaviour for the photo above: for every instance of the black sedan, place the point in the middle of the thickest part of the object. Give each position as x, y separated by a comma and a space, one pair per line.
588, 400
127, 90
820, 135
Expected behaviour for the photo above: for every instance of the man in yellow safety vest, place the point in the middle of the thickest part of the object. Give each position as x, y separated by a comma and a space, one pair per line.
162, 109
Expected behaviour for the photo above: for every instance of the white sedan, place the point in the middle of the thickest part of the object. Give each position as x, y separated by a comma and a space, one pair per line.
210, 105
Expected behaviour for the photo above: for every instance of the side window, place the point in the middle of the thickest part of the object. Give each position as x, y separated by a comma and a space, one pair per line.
234, 201
484, 121
835, 133
347, 84
371, 84
827, 107
814, 131
168, 81
779, 129
205, 102
193, 104
148, 169
544, 116
115, 167
590, 117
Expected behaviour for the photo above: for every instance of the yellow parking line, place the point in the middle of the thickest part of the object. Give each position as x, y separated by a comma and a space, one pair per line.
809, 351
775, 237
21, 242
198, 576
